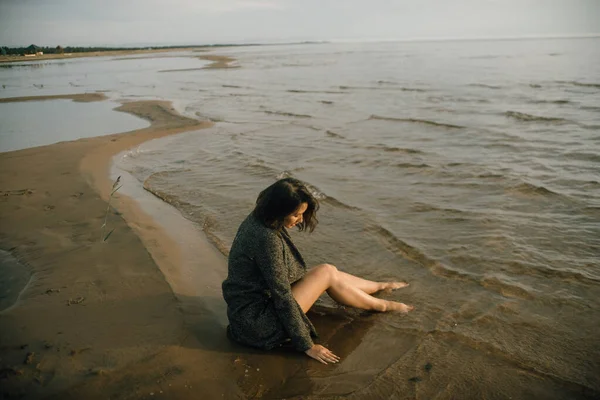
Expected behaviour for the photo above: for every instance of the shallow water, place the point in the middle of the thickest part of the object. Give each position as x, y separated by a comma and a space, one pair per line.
470, 169
38, 123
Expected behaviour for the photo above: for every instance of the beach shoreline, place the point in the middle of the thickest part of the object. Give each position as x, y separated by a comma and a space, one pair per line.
112, 53
138, 315
90, 307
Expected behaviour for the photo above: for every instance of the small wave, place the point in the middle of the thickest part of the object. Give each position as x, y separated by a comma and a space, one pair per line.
334, 135
535, 86
438, 99
208, 223
507, 289
402, 248
164, 196
558, 101
581, 84
320, 195
207, 118
531, 118
335, 202
411, 165
287, 114
208, 227
567, 275
233, 86
402, 89
314, 91
326, 102
532, 190
424, 207
506, 146
260, 169
590, 108
484, 85
416, 121
591, 127
391, 149
594, 157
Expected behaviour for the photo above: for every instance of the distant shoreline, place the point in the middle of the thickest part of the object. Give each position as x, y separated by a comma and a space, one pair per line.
109, 53
133, 51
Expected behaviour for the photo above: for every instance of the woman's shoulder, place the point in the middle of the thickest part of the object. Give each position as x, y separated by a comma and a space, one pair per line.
254, 228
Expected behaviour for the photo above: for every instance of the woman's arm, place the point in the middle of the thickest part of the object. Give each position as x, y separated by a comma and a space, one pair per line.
269, 259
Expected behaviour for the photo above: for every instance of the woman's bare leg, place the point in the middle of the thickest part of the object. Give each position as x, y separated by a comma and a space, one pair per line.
370, 287
326, 277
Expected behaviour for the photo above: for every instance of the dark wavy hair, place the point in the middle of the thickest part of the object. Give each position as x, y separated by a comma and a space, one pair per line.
283, 198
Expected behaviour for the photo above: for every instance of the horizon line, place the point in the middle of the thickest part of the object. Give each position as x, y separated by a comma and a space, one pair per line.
324, 41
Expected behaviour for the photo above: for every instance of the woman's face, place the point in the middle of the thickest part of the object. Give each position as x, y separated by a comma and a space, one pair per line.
296, 217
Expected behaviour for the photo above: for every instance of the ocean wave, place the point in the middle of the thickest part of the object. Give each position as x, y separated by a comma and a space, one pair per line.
507, 289
402, 248
558, 101
438, 99
485, 85
592, 127
535, 86
566, 275
391, 149
208, 118
287, 114
381, 87
320, 195
326, 102
593, 157
169, 198
424, 207
334, 135
412, 165
580, 84
416, 121
187, 209
532, 118
523, 268
532, 190
506, 146
314, 91
590, 108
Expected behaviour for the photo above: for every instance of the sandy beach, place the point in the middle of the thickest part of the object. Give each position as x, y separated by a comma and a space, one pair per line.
117, 319
91, 309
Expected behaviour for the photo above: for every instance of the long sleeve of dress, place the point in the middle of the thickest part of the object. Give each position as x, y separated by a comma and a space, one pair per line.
271, 263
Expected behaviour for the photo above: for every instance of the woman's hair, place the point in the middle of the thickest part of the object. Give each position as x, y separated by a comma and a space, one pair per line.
283, 198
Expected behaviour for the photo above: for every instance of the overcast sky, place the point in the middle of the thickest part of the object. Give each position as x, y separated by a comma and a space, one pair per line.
147, 22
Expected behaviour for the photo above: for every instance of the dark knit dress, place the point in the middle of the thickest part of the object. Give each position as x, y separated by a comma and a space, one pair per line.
262, 311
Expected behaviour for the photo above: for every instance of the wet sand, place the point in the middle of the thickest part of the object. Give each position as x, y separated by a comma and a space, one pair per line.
80, 97
217, 62
118, 319
91, 309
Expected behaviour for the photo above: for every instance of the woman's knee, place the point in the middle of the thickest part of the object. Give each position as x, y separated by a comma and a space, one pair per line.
327, 269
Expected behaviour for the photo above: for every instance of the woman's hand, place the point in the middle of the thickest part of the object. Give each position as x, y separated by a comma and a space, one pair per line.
322, 354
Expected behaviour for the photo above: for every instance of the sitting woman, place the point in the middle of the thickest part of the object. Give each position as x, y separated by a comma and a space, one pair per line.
268, 289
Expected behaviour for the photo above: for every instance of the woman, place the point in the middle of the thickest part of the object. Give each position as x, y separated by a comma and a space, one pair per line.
269, 290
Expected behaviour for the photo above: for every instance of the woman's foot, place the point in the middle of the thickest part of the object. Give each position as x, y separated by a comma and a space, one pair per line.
389, 286
395, 306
